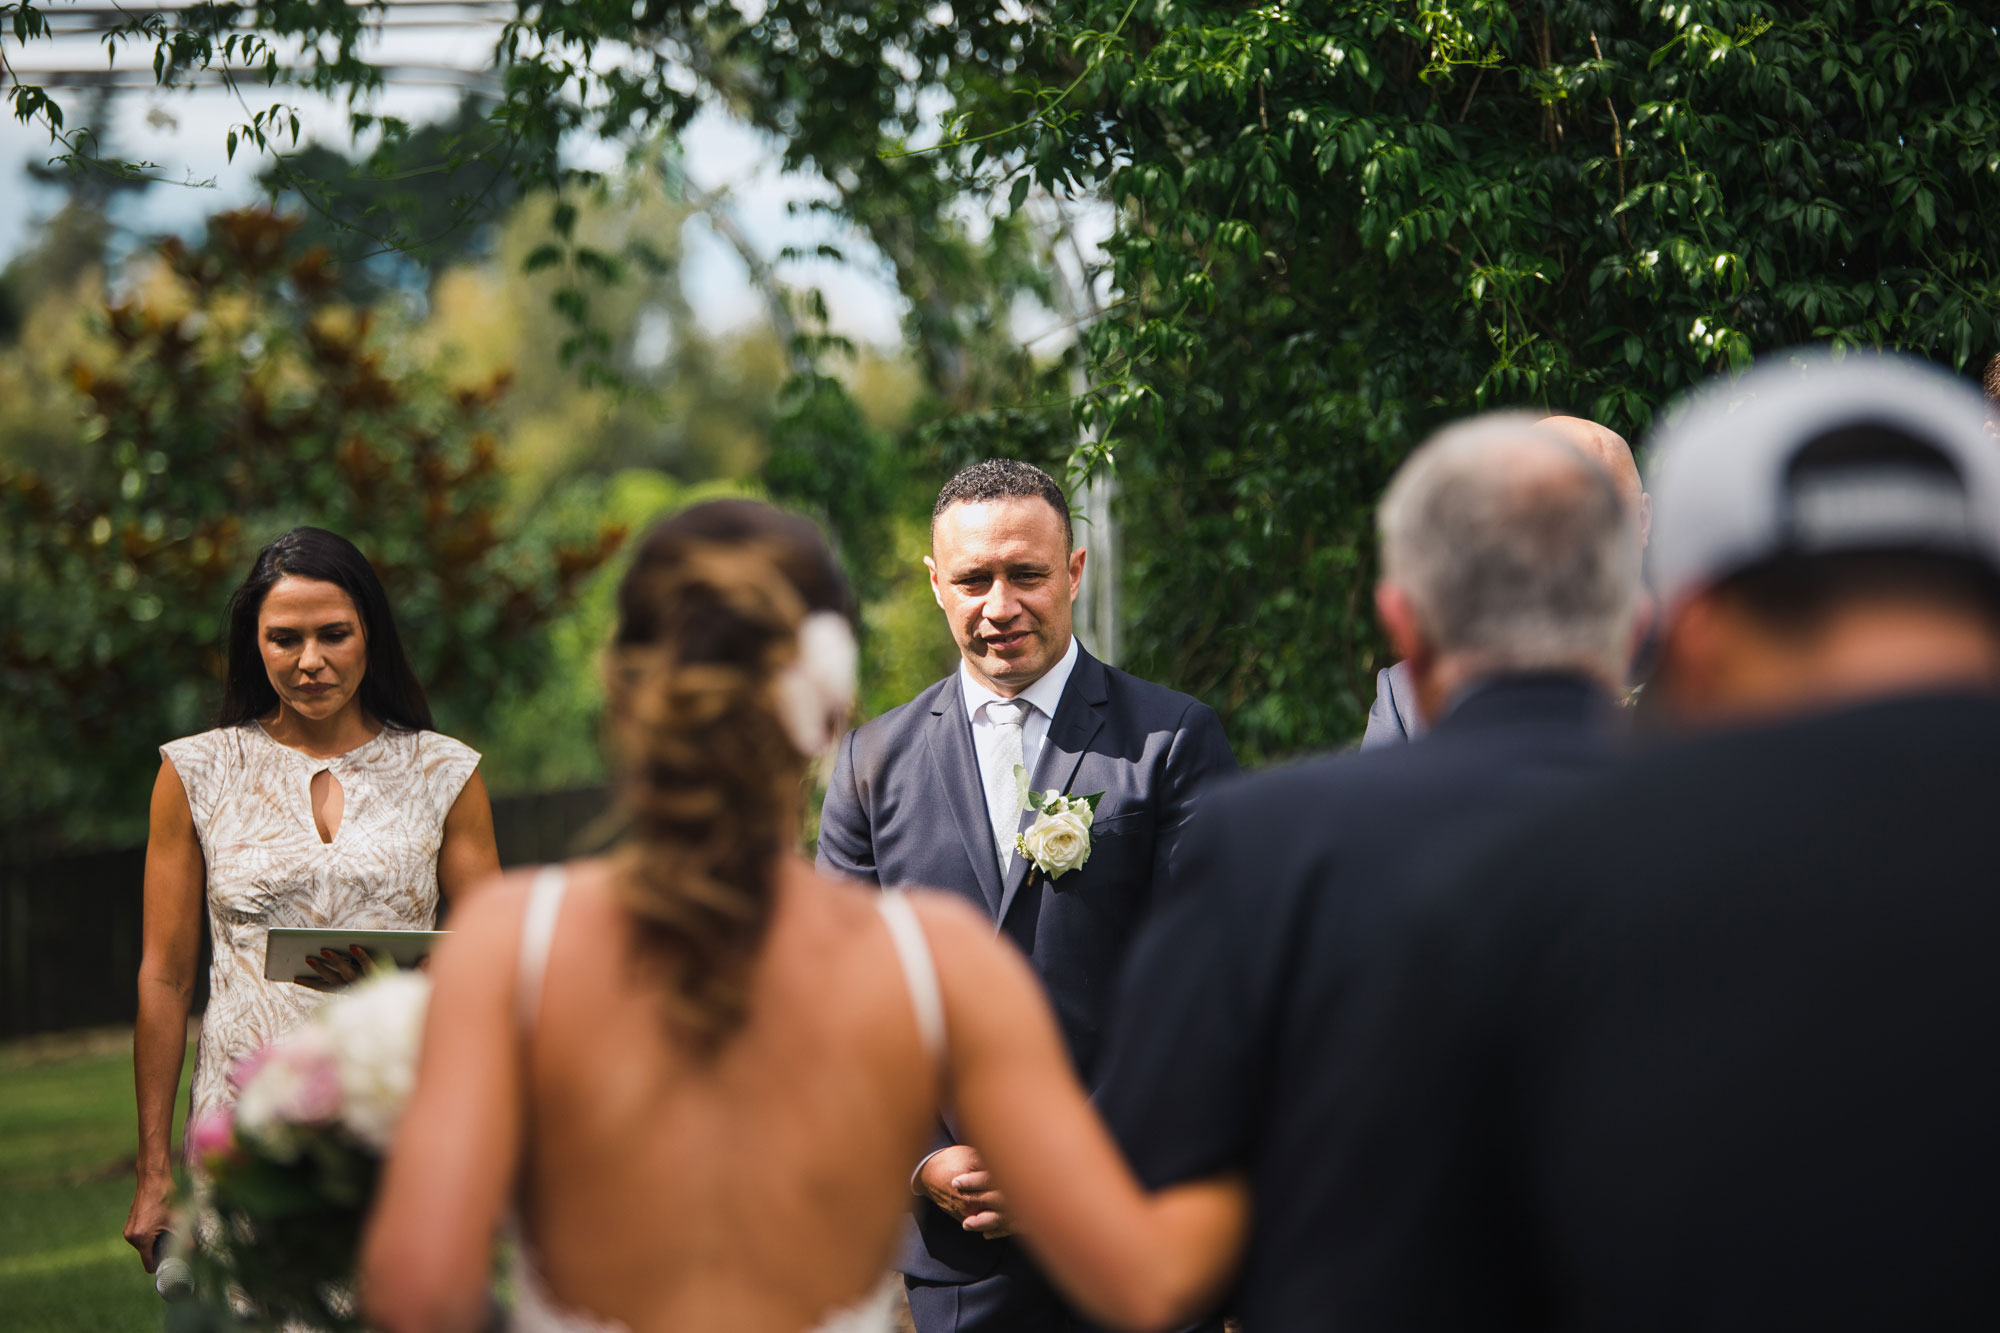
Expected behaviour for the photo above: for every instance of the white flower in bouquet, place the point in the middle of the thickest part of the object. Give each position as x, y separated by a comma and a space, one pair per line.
290, 1083
376, 1031
353, 1063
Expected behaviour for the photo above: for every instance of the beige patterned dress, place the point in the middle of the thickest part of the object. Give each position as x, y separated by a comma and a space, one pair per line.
252, 804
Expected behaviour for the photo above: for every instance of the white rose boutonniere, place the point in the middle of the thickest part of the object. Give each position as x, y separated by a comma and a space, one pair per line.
1059, 839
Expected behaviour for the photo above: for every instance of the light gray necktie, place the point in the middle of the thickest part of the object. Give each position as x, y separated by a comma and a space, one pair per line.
1003, 792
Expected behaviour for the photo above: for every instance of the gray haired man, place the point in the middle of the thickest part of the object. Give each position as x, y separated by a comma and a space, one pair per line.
1510, 572
1395, 716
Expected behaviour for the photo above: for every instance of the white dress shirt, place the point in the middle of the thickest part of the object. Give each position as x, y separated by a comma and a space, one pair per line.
1042, 698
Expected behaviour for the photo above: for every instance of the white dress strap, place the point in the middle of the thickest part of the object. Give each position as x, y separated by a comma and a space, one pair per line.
538, 932
913, 951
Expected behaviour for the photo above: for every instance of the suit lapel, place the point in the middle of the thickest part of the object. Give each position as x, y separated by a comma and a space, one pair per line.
958, 777
1079, 717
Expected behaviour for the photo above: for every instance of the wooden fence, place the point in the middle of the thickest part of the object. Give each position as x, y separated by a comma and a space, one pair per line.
70, 927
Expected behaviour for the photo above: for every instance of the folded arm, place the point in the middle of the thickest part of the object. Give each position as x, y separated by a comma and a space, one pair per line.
1126, 1257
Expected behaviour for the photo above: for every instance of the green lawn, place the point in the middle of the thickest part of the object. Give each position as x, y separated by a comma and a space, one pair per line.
67, 1135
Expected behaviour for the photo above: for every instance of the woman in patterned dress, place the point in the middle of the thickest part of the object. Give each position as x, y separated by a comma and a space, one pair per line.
322, 799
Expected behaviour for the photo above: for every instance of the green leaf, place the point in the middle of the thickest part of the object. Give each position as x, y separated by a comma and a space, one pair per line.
1019, 194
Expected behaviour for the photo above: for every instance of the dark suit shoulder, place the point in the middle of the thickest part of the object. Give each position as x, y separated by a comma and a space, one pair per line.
1146, 697
899, 720
1351, 780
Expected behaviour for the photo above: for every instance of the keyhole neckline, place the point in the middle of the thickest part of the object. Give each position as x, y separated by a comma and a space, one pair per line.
327, 837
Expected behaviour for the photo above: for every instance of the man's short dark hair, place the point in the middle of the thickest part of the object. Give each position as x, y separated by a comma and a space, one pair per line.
1991, 382
1797, 595
1005, 479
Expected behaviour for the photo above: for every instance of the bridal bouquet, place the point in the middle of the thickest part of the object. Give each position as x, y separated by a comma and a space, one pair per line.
292, 1170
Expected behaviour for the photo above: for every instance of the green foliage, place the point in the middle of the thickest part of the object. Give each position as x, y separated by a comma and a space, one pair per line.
239, 401
421, 200
1341, 224
549, 727
1337, 225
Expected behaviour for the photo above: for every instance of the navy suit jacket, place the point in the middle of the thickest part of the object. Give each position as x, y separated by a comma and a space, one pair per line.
906, 808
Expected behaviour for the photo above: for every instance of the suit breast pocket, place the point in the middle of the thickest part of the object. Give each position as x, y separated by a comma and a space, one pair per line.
1121, 853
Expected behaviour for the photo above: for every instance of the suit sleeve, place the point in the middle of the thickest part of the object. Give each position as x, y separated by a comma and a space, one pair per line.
1199, 758
846, 845
1184, 1043
1424, 1145
1385, 724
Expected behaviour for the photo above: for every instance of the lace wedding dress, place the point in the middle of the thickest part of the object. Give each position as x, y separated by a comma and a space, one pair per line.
535, 1310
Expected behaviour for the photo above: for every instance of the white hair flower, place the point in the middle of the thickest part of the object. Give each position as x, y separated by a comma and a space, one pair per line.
815, 692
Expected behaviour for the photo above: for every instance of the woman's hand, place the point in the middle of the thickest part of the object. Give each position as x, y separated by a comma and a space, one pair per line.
152, 1216
337, 969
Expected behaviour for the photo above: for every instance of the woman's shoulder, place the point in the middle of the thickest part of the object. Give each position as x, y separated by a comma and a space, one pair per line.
432, 748
948, 914
446, 763
498, 906
961, 938
207, 748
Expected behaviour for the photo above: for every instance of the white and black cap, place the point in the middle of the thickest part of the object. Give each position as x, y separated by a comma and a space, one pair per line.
1809, 455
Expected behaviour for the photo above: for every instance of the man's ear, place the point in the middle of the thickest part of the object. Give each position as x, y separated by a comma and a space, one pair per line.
1644, 612
1645, 519
1693, 651
937, 591
1399, 621
1076, 572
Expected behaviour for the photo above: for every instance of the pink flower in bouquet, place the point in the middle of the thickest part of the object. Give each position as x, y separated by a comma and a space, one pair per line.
246, 1068
296, 1084
212, 1135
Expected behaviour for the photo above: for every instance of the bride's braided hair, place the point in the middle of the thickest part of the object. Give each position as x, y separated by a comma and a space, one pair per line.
710, 780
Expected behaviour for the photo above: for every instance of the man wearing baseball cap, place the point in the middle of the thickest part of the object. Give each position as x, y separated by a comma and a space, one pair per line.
1712, 1046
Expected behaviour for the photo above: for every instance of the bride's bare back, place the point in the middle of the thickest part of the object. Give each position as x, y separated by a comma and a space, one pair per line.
758, 1189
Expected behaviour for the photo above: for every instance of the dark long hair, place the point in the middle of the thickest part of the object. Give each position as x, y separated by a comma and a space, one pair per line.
389, 690
709, 777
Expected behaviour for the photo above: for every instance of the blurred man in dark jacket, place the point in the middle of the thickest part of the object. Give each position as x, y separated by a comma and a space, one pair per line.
1509, 573
1709, 1048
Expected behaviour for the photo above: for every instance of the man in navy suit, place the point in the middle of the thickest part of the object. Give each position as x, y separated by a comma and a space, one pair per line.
926, 795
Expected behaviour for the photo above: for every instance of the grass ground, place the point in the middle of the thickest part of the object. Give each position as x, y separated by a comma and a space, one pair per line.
67, 1134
